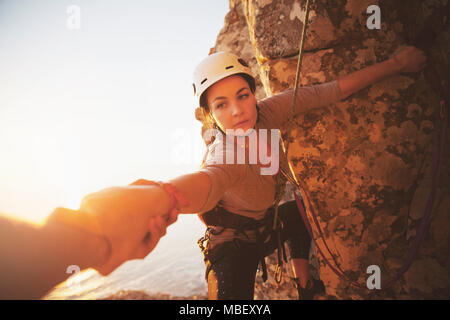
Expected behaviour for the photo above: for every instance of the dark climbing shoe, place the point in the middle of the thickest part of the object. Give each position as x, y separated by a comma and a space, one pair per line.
312, 288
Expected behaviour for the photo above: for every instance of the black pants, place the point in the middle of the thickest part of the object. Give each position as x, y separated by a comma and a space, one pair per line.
233, 275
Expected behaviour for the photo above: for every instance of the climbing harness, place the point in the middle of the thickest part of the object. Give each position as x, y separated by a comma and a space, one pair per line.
219, 217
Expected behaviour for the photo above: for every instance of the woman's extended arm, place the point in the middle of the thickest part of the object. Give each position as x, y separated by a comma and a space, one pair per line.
409, 59
277, 108
195, 187
149, 199
137, 207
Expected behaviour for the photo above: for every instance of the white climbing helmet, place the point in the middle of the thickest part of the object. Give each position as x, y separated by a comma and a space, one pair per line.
217, 66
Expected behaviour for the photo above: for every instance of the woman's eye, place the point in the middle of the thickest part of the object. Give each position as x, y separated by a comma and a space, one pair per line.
243, 96
220, 105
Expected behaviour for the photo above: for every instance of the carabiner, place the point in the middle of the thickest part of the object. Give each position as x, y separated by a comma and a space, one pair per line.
278, 274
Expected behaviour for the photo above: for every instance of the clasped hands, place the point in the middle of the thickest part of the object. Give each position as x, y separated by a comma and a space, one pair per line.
130, 219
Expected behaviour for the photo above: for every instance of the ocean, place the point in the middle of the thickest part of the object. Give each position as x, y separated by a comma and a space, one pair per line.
175, 267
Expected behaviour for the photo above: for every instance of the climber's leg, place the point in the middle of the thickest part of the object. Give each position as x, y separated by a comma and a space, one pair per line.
297, 239
232, 277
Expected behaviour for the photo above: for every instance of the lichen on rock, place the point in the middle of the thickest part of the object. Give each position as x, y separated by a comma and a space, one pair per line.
366, 161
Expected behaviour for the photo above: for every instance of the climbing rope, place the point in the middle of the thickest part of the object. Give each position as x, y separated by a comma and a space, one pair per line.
279, 189
438, 152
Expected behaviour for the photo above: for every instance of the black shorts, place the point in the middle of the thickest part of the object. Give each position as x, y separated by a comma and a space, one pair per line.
232, 275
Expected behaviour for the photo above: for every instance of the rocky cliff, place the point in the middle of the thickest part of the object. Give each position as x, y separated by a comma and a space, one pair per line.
366, 161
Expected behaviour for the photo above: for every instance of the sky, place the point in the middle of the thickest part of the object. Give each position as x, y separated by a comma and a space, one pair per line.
95, 94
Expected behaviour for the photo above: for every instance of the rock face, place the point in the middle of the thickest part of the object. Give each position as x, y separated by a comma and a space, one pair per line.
366, 161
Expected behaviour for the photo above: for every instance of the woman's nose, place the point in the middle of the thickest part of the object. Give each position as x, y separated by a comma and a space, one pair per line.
237, 109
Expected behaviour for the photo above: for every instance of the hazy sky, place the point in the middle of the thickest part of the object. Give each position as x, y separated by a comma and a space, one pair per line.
102, 105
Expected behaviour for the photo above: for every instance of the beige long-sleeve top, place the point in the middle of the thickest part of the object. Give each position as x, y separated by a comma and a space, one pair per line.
241, 188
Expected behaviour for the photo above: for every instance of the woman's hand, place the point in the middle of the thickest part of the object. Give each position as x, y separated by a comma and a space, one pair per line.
157, 228
406, 59
130, 219
409, 59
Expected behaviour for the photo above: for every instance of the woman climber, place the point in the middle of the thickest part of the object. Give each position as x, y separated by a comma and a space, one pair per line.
234, 199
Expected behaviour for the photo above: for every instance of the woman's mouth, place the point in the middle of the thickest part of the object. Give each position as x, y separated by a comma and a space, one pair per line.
240, 123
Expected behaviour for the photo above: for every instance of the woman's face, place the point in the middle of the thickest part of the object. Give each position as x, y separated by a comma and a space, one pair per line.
232, 104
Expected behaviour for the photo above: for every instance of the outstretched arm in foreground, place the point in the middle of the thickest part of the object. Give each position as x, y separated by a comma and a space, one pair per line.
112, 226
34, 258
